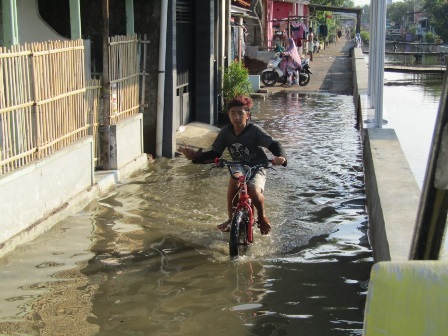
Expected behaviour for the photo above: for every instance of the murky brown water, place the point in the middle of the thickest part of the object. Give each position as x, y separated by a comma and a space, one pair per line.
147, 259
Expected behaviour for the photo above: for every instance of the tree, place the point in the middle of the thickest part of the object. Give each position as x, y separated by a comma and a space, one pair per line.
365, 16
399, 11
258, 9
437, 11
332, 3
349, 4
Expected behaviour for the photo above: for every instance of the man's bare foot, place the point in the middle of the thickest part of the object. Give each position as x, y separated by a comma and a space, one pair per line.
263, 224
224, 227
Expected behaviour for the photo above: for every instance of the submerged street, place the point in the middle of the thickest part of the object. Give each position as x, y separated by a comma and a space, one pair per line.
147, 259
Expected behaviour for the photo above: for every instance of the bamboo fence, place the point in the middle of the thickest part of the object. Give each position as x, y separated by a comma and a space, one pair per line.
17, 146
124, 77
59, 90
46, 103
42, 100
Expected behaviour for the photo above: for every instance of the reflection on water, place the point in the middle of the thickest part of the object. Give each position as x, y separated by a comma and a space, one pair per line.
411, 104
426, 60
147, 259
434, 57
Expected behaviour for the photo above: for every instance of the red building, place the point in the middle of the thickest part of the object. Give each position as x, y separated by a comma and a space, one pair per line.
283, 18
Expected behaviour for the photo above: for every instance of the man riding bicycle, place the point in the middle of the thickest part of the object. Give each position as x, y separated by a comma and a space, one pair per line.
245, 142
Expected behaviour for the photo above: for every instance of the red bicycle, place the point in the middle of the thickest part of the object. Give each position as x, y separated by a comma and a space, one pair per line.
241, 227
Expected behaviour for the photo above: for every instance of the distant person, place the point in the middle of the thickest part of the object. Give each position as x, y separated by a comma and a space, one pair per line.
395, 45
290, 61
316, 46
311, 43
278, 48
358, 40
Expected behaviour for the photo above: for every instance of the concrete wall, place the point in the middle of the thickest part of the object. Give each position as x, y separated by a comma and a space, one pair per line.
392, 195
38, 190
31, 26
35, 197
255, 53
255, 82
127, 139
391, 189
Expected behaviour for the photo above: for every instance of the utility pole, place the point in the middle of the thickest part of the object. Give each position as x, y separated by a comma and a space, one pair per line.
104, 128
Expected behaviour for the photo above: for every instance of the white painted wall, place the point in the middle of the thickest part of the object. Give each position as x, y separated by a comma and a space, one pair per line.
32, 28
128, 139
255, 82
33, 192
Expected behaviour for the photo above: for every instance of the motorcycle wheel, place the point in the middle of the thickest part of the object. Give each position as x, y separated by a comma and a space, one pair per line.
269, 78
304, 79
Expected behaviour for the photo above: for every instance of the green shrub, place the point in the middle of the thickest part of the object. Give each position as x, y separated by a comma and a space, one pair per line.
430, 37
235, 81
365, 36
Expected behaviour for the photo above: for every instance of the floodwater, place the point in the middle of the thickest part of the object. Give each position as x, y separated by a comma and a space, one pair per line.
411, 105
148, 259
435, 59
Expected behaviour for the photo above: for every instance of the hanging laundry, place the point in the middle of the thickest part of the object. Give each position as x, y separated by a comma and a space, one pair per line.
297, 33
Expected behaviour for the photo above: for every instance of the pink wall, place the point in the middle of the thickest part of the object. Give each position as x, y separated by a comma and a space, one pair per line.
281, 10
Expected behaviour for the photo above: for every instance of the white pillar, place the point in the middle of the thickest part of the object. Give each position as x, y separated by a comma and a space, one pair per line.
381, 40
371, 45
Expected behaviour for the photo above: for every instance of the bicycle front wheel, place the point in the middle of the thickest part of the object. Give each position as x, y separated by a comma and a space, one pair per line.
238, 234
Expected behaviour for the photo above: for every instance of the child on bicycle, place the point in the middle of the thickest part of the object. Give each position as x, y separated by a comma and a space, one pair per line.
245, 142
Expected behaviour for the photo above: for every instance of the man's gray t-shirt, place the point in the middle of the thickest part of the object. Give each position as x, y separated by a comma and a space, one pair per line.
245, 147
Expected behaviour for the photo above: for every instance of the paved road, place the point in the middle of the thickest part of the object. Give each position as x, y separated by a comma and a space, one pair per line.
331, 71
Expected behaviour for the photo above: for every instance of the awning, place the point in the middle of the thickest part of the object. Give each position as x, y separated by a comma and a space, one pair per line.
242, 3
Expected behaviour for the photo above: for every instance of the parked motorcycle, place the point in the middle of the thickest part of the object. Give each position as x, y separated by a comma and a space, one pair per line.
273, 74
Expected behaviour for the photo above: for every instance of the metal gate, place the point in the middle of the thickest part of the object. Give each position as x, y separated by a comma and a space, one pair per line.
185, 58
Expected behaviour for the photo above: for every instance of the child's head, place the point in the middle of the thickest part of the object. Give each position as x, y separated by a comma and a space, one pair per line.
240, 101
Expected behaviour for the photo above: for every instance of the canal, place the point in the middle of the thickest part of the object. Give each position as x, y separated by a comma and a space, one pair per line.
148, 260
411, 105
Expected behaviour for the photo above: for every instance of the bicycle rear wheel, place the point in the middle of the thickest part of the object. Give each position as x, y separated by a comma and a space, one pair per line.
238, 234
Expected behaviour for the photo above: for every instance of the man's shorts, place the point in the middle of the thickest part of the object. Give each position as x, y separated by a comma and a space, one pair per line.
258, 180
